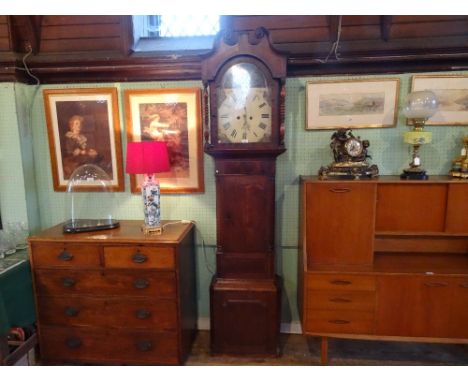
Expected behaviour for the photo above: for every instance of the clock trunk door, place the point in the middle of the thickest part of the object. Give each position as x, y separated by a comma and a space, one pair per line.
245, 225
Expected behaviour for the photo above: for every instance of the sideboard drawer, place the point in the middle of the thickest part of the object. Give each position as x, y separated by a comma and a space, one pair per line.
341, 300
349, 322
89, 344
139, 257
138, 313
339, 281
102, 283
65, 255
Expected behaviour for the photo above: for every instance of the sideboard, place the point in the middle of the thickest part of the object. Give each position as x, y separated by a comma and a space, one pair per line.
384, 259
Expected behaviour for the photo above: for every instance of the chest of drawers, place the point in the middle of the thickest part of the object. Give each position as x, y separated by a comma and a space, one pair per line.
116, 296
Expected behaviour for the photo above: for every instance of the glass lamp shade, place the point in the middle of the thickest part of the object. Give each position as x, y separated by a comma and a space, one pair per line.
421, 105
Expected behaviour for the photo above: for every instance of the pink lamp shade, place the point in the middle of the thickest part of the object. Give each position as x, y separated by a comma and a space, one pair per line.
147, 157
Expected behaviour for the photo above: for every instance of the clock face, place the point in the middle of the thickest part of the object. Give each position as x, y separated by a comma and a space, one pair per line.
353, 147
244, 106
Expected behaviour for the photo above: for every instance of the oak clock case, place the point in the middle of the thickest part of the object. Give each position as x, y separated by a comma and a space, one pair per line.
244, 90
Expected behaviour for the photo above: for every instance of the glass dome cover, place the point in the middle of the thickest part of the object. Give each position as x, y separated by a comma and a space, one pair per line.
89, 212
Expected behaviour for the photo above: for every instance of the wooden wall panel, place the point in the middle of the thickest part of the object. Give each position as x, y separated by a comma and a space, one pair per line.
5, 43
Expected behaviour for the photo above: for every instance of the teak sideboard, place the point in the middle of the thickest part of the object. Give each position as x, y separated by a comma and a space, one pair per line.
384, 259
115, 296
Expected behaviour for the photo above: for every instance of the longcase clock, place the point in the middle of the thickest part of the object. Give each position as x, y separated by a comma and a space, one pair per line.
244, 128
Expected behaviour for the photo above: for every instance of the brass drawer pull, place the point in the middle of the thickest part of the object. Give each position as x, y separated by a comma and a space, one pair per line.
341, 282
73, 342
144, 345
68, 282
141, 283
339, 299
436, 284
65, 256
139, 258
71, 311
339, 322
143, 314
339, 190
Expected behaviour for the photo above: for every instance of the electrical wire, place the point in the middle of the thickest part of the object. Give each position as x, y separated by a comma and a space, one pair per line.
334, 48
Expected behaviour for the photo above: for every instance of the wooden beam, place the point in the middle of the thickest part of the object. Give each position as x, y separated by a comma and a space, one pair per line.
385, 27
32, 32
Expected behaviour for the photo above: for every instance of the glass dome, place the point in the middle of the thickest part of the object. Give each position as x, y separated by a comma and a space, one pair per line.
89, 211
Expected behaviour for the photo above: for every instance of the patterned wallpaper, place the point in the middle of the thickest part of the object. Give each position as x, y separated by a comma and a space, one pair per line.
306, 152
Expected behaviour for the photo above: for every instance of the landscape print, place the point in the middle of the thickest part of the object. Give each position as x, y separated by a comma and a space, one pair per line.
351, 104
452, 99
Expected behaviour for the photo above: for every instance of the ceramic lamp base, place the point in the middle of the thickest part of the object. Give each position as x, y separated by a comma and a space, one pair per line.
150, 192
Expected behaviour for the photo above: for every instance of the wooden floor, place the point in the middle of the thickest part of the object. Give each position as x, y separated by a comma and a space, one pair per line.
299, 350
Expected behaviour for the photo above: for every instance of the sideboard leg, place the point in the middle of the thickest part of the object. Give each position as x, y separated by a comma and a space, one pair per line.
324, 351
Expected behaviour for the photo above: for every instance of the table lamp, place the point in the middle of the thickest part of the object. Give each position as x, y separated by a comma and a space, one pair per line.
149, 158
420, 106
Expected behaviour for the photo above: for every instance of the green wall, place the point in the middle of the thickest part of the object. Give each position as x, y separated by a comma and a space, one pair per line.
306, 152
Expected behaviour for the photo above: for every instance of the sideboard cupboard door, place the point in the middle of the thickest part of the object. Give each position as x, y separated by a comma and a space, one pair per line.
340, 223
457, 209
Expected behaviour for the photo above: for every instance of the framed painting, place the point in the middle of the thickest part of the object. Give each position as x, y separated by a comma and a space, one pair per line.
83, 128
352, 103
452, 93
173, 116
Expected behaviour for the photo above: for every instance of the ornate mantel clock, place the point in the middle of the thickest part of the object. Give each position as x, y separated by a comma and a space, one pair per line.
244, 91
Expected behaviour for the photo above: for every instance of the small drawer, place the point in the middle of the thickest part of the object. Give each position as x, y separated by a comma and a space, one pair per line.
138, 313
340, 281
65, 255
339, 322
341, 300
95, 283
96, 345
139, 257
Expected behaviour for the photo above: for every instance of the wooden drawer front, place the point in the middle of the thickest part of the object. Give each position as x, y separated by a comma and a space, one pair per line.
341, 282
154, 284
341, 300
139, 257
329, 321
112, 346
457, 209
114, 312
65, 255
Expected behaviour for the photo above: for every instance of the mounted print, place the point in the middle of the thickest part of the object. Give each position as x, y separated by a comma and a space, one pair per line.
173, 116
452, 94
83, 128
352, 103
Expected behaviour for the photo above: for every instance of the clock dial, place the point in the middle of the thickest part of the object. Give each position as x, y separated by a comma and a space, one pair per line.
353, 147
244, 106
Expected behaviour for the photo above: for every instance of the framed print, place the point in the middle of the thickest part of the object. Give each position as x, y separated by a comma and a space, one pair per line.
173, 116
452, 93
83, 128
352, 103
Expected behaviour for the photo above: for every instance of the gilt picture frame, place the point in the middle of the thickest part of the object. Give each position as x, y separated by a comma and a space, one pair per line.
173, 116
83, 127
362, 103
452, 94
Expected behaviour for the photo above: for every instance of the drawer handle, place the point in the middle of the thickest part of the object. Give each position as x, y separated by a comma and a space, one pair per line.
65, 256
71, 311
144, 345
68, 282
464, 285
340, 282
139, 258
143, 314
339, 322
339, 190
436, 284
339, 299
141, 283
73, 342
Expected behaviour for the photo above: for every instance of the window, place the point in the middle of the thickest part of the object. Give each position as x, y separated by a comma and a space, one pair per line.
175, 32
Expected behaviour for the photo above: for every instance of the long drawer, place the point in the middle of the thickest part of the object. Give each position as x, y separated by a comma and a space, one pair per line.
114, 312
334, 322
92, 345
341, 300
105, 283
